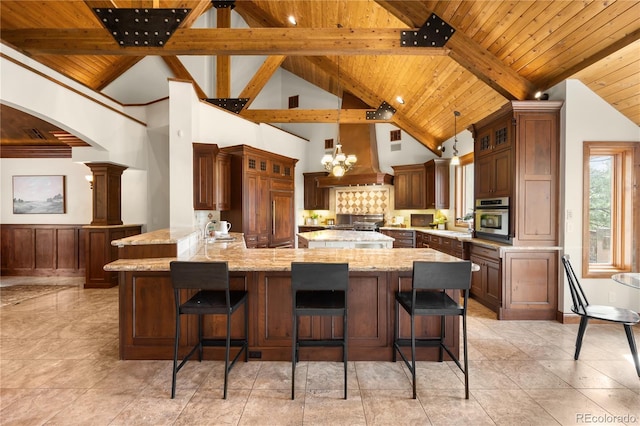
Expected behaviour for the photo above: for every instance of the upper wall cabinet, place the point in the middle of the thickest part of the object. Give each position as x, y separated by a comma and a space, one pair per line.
211, 190
493, 158
437, 183
409, 187
315, 198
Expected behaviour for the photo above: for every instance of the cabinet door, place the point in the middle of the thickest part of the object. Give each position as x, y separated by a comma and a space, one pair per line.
223, 181
430, 184
282, 220
204, 176
315, 198
256, 198
502, 175
493, 290
477, 281
402, 190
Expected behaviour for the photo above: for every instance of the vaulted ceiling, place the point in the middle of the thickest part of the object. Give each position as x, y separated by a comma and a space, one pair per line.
500, 51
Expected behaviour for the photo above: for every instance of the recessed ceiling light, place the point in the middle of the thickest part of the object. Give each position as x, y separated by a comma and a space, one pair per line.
400, 100
292, 19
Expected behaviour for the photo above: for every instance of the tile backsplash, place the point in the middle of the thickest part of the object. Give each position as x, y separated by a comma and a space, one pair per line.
363, 200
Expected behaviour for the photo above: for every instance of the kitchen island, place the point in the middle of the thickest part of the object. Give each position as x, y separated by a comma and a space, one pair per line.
146, 305
330, 238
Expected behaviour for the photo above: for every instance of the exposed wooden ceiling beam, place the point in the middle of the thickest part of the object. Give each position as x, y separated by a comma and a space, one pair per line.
347, 116
181, 72
469, 54
223, 62
261, 77
223, 41
371, 98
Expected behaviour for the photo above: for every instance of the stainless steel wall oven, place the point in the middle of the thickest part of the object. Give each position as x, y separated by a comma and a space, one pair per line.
492, 218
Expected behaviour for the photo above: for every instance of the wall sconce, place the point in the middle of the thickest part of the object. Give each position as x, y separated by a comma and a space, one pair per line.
541, 96
89, 179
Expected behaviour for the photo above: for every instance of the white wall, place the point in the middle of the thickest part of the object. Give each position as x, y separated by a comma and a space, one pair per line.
587, 117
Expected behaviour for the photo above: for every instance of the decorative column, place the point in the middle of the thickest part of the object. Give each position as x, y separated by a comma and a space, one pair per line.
106, 193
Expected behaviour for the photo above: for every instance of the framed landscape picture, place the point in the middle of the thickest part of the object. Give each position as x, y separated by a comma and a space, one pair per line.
39, 195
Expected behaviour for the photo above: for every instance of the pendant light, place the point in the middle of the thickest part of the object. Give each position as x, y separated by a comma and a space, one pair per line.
338, 163
455, 160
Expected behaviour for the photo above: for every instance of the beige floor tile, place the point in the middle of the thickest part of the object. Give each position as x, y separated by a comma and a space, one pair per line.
206, 407
619, 402
317, 403
393, 407
531, 375
273, 406
513, 407
448, 407
579, 375
36, 406
330, 376
95, 407
567, 406
382, 375
498, 349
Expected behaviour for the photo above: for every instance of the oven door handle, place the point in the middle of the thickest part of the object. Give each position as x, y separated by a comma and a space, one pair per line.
494, 211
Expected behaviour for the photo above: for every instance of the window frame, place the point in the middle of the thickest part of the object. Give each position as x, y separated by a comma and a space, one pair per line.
459, 190
624, 203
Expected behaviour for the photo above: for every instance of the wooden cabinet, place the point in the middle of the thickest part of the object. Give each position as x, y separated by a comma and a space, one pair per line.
306, 228
516, 156
451, 246
262, 197
437, 183
211, 187
223, 184
403, 238
532, 285
315, 198
486, 284
99, 252
409, 187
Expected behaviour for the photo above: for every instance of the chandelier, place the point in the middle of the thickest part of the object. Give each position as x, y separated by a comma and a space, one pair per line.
338, 163
455, 160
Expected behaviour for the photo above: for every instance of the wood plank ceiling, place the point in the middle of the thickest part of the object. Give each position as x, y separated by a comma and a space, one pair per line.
501, 50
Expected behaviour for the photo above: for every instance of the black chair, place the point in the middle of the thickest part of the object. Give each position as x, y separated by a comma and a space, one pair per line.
318, 289
428, 297
580, 306
213, 297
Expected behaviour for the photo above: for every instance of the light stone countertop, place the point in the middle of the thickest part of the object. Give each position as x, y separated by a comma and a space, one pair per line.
160, 236
241, 259
342, 235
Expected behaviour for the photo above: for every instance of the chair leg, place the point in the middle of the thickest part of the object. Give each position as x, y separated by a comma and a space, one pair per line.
344, 353
441, 348
396, 330
294, 355
581, 330
632, 345
413, 354
175, 354
226, 355
466, 357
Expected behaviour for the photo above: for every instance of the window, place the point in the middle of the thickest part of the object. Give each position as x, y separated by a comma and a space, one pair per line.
464, 189
608, 218
395, 135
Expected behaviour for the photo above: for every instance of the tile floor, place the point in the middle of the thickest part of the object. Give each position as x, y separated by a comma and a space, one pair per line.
59, 365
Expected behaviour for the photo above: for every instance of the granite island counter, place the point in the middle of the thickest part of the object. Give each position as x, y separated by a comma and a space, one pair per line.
147, 307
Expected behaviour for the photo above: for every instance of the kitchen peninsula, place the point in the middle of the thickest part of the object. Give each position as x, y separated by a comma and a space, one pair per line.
146, 303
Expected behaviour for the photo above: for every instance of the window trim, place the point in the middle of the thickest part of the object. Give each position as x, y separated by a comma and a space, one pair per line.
624, 215
458, 213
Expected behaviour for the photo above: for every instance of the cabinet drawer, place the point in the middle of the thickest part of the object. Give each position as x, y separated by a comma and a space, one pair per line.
491, 253
403, 243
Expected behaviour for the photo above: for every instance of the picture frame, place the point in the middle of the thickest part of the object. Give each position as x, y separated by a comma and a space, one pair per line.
43, 194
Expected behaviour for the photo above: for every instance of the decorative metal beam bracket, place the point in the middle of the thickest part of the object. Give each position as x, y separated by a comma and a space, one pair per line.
222, 4
384, 112
434, 33
140, 27
230, 104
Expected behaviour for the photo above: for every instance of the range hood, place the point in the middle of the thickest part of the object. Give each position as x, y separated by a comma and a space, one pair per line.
358, 139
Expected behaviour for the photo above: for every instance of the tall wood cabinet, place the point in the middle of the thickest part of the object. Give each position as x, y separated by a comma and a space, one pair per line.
517, 156
262, 197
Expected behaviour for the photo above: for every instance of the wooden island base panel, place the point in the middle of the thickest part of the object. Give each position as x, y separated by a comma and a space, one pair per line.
147, 306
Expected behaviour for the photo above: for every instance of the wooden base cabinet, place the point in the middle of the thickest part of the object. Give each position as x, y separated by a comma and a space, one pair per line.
532, 290
486, 284
147, 318
403, 238
99, 252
